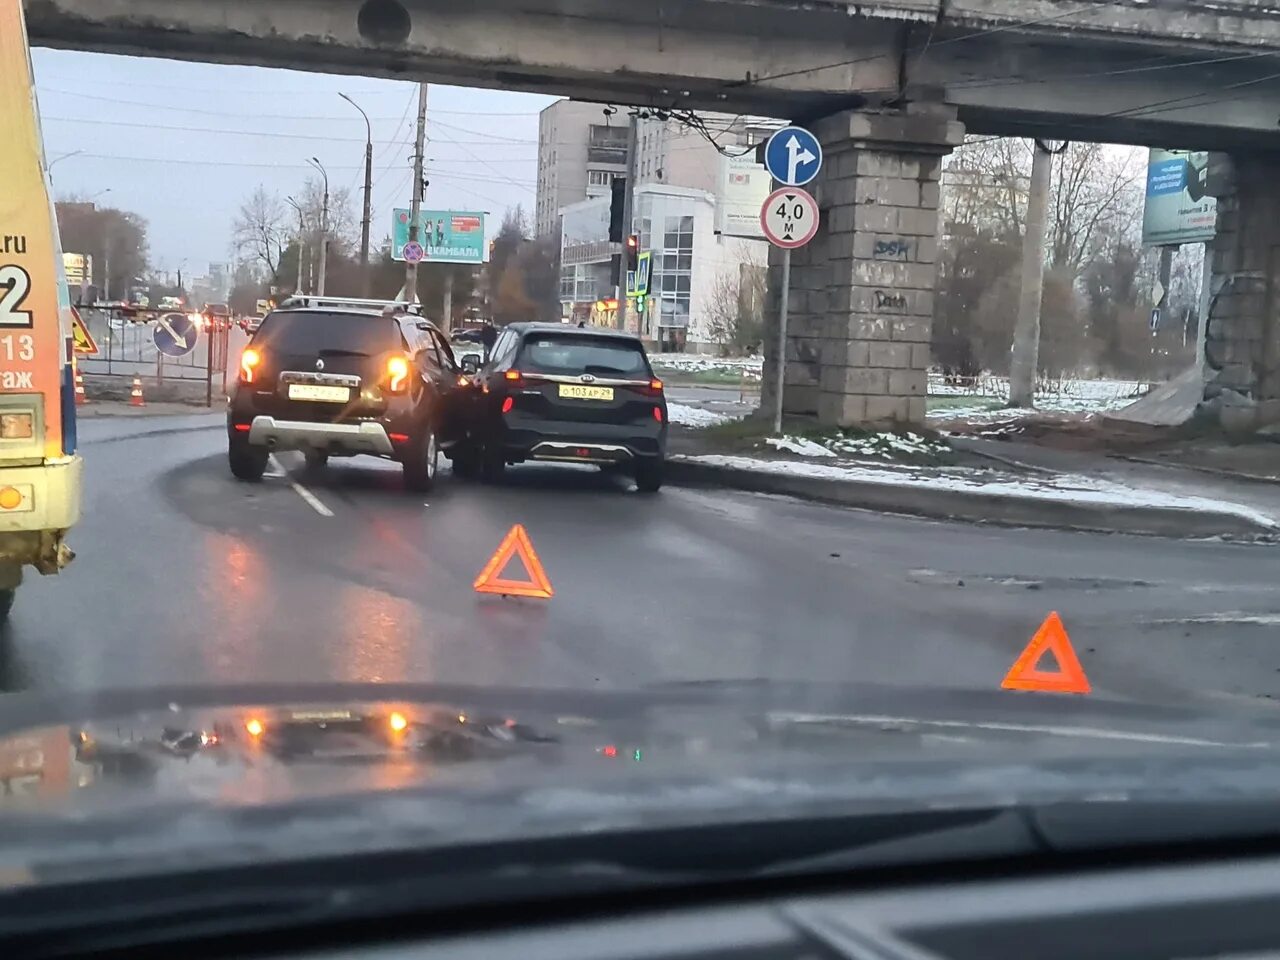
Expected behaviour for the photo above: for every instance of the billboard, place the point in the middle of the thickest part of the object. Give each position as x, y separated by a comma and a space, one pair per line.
1178, 208
744, 185
448, 236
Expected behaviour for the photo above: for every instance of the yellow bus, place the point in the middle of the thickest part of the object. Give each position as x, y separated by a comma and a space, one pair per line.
39, 470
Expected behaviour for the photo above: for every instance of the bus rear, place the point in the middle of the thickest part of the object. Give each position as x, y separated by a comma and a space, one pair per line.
39, 470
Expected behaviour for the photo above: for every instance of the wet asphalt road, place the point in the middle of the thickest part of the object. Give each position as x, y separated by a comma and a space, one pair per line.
185, 575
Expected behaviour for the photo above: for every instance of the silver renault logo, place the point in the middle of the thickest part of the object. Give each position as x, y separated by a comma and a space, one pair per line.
319, 364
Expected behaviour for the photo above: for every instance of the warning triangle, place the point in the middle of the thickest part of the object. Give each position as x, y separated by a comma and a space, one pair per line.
515, 543
84, 342
1068, 678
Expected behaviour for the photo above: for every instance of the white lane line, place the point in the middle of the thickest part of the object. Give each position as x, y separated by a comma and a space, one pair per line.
311, 499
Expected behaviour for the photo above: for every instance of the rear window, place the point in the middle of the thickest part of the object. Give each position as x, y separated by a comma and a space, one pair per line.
290, 331
600, 356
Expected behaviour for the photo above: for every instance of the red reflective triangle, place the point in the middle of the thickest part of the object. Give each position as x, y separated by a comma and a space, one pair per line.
515, 543
1068, 678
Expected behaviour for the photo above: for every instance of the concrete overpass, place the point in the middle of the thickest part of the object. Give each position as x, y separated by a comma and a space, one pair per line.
891, 86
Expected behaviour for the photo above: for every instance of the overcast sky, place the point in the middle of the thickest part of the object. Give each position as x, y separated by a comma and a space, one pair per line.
182, 144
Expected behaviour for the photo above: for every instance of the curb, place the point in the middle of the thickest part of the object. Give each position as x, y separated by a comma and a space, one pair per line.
997, 509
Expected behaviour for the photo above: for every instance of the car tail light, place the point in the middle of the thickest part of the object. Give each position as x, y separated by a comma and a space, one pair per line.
250, 360
398, 722
512, 375
397, 374
254, 727
507, 404
657, 414
242, 427
655, 386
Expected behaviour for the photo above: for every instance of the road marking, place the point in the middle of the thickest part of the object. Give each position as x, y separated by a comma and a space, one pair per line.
1091, 733
311, 499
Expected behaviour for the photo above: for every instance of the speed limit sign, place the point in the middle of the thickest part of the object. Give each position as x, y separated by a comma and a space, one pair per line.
789, 218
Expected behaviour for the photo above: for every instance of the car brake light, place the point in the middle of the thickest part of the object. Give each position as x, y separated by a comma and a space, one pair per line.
242, 427
249, 361
254, 727
507, 404
398, 371
657, 414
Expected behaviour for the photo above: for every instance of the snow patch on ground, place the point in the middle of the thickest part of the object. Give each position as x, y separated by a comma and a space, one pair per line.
799, 445
687, 416
886, 445
749, 367
1066, 488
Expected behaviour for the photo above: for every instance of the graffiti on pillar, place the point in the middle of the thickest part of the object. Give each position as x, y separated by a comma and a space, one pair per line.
898, 249
890, 301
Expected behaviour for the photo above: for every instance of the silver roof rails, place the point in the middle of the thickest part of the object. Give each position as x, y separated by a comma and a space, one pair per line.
386, 306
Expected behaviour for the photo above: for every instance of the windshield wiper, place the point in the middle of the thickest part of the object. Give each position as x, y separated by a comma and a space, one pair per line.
602, 368
341, 353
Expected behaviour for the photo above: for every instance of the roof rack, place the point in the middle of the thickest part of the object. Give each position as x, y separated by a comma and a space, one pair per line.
386, 306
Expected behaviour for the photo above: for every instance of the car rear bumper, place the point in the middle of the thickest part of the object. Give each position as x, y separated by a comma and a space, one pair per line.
572, 441
364, 437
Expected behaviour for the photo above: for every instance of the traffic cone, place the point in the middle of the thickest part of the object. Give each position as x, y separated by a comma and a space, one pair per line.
135, 395
81, 399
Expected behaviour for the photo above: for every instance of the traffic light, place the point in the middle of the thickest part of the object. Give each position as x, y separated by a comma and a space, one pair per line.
640, 305
633, 251
617, 204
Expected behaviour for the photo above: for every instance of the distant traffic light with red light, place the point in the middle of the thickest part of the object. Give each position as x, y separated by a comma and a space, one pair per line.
633, 251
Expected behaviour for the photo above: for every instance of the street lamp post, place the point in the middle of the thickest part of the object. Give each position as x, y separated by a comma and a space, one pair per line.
297, 287
324, 224
368, 190
65, 156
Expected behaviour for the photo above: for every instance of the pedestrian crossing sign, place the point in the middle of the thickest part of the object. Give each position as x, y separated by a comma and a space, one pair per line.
644, 263
83, 341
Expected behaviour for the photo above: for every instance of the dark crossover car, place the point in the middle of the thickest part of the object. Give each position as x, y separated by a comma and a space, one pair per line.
569, 394
339, 377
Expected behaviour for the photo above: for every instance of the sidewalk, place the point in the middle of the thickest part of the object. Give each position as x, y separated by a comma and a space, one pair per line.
996, 482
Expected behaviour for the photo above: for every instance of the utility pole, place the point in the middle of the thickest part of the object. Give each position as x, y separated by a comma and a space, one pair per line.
446, 322
628, 213
1206, 297
297, 287
324, 224
1026, 335
368, 190
411, 269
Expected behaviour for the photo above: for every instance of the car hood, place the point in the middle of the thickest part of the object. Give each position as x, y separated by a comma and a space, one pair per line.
339, 765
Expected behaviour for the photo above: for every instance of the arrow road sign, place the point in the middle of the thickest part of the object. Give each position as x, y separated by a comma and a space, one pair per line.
175, 334
789, 218
793, 156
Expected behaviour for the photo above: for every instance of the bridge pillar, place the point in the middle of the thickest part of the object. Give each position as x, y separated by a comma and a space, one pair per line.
1242, 344
861, 301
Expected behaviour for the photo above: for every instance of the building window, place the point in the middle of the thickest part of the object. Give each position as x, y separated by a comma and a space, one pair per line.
599, 178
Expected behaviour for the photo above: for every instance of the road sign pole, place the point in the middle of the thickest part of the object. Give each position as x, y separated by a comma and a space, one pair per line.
781, 371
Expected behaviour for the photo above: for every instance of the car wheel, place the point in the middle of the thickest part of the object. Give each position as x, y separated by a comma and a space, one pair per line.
247, 462
316, 459
422, 459
492, 465
649, 475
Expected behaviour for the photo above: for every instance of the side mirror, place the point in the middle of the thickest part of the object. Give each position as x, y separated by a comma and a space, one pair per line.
470, 363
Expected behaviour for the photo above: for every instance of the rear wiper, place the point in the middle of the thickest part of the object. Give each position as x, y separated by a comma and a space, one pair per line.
341, 353
601, 368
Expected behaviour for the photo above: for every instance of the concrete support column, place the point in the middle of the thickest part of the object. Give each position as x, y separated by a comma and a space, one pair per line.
861, 309
1242, 344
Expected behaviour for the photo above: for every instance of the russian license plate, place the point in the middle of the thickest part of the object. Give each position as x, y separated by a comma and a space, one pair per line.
582, 392
314, 391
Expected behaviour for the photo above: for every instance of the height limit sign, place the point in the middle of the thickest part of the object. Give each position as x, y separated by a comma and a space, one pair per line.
789, 218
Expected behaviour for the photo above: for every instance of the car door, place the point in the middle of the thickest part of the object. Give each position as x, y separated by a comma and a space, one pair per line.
453, 393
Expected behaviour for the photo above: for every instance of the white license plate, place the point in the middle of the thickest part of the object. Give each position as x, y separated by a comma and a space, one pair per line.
585, 393
314, 391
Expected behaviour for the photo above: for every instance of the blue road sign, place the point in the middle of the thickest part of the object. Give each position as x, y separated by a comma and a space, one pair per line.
793, 156
644, 266
175, 334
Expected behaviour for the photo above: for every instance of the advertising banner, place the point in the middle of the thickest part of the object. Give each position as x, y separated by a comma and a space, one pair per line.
447, 236
1178, 210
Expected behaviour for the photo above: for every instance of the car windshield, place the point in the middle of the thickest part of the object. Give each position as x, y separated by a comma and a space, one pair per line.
557, 353
319, 332
502, 410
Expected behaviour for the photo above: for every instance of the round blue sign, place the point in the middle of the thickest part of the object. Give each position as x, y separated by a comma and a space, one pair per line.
413, 251
175, 334
793, 156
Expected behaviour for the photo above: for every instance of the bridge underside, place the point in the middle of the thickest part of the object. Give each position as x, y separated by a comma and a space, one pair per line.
888, 95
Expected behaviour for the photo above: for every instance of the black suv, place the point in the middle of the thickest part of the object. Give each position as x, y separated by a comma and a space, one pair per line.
331, 376
570, 394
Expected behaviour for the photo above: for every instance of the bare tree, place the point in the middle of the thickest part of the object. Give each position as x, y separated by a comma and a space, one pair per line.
261, 230
735, 308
